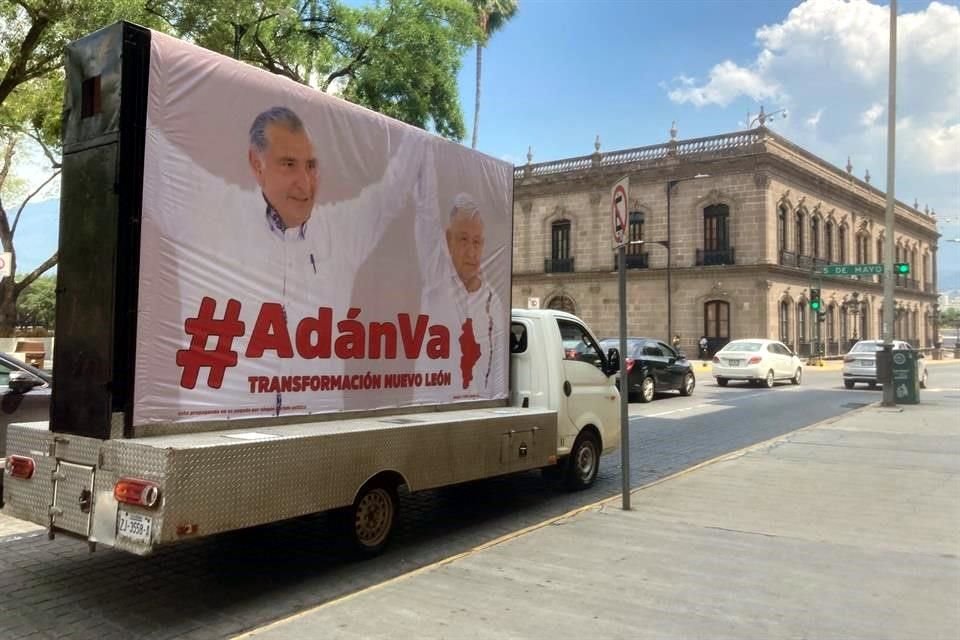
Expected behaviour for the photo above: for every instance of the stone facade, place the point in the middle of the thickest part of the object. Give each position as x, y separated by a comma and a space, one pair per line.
753, 219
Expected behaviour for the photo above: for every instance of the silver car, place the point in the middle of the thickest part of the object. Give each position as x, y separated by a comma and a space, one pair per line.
860, 363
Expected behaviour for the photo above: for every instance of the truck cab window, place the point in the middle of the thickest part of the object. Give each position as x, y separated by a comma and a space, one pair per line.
578, 344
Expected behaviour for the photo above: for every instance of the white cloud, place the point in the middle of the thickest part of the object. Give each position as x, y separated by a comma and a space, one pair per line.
727, 82
870, 117
831, 56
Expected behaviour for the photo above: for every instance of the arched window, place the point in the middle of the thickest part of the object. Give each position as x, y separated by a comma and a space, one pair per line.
716, 323
562, 303
782, 228
560, 260
927, 274
831, 323
815, 236
863, 248
880, 322
801, 323
784, 321
799, 234
864, 321
636, 232
828, 241
716, 236
842, 244
880, 249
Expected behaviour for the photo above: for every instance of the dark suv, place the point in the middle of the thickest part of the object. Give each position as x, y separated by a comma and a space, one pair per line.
654, 366
24, 395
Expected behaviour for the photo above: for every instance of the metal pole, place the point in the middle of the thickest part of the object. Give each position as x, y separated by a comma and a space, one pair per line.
624, 383
889, 398
669, 263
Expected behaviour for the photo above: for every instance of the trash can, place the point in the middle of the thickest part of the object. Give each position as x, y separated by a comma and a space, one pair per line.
906, 383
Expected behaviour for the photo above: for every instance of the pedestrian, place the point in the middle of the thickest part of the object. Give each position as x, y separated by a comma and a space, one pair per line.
703, 347
676, 341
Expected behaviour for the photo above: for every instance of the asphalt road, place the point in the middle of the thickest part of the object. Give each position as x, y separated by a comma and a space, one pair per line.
228, 584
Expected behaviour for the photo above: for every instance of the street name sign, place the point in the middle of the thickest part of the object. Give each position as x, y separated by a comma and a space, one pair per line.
853, 269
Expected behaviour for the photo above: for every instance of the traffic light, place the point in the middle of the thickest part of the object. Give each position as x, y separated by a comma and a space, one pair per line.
815, 299
901, 268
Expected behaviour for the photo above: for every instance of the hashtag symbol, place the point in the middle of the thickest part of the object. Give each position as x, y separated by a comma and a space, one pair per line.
217, 359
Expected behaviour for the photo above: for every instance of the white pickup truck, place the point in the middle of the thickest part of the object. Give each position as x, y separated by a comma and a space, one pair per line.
239, 339
138, 493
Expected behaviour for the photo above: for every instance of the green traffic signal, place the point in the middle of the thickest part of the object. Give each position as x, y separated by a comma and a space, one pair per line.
901, 268
815, 305
815, 299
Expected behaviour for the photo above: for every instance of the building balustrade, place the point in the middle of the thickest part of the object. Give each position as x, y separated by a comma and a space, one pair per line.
558, 265
633, 261
788, 258
713, 257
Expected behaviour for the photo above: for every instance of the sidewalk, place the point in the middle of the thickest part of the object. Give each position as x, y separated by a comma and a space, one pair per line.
847, 529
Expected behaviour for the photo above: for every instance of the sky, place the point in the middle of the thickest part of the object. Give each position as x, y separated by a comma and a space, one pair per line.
563, 72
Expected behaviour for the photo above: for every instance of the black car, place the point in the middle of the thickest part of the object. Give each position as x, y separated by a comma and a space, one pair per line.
654, 366
25, 393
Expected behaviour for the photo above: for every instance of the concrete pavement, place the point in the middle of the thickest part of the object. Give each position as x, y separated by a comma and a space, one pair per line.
847, 529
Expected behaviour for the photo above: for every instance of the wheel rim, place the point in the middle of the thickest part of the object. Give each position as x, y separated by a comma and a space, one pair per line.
769, 380
797, 377
586, 460
688, 383
647, 389
374, 517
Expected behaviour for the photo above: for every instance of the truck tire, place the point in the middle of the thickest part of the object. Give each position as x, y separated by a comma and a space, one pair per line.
371, 519
583, 462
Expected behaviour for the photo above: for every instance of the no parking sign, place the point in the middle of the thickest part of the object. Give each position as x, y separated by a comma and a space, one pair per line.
5, 259
618, 210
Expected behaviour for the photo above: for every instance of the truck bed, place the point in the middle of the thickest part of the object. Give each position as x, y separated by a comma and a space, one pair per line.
216, 481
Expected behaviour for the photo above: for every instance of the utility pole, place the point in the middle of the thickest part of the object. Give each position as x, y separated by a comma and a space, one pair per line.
889, 397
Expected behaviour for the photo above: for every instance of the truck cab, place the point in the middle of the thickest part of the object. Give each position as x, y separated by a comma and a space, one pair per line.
578, 383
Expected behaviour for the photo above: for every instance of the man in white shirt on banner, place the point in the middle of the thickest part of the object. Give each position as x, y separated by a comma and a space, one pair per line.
456, 294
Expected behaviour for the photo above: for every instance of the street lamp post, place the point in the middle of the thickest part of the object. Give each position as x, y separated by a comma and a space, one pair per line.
666, 244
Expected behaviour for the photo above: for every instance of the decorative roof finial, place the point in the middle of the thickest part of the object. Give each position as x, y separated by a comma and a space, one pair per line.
866, 176
926, 209
915, 203
529, 154
673, 130
596, 144
849, 165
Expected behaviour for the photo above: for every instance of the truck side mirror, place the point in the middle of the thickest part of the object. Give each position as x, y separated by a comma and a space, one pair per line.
21, 381
613, 361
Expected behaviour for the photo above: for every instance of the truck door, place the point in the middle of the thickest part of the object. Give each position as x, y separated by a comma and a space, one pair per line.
587, 392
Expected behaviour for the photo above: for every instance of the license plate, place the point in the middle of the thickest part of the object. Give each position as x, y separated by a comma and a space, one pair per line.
734, 363
134, 526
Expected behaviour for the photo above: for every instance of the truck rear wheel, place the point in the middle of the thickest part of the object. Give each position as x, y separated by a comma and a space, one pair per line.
583, 462
371, 519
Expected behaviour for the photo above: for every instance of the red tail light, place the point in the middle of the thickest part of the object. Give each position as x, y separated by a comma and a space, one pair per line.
754, 360
138, 492
716, 359
19, 467
629, 364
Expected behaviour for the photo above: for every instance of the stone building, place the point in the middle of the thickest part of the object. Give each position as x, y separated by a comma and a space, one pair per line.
750, 221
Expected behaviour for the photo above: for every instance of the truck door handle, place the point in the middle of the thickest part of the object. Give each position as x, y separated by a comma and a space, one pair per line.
567, 389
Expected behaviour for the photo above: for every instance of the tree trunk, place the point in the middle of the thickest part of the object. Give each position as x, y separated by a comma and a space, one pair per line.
476, 102
8, 308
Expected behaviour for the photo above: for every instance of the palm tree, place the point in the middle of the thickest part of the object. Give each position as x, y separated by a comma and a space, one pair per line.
491, 16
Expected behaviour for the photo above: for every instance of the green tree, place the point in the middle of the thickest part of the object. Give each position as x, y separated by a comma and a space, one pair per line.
33, 34
37, 303
398, 57
491, 15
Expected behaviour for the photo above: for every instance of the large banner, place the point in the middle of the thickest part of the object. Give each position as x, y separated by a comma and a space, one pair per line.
301, 254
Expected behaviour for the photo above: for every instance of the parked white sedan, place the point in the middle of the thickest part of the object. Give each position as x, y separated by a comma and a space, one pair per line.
758, 361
